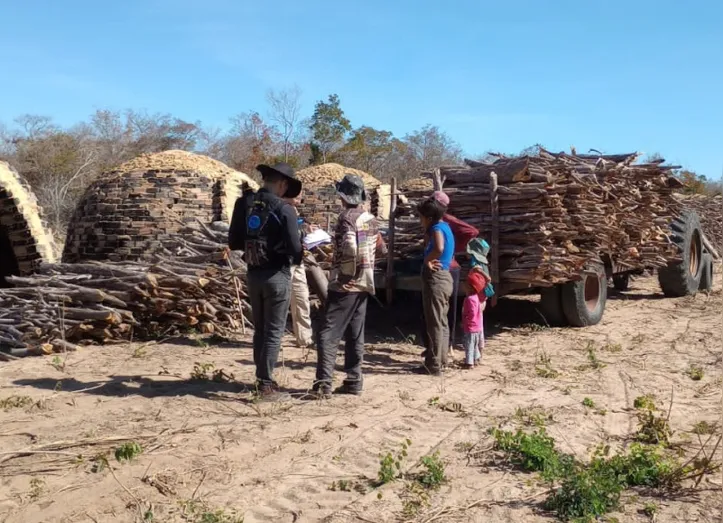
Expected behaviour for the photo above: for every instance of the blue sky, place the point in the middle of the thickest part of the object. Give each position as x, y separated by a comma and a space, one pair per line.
612, 75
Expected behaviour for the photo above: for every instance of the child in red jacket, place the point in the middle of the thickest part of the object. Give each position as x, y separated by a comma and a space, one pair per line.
472, 318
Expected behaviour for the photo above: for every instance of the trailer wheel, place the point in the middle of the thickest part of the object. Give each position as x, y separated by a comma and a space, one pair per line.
682, 277
621, 282
706, 277
551, 306
584, 301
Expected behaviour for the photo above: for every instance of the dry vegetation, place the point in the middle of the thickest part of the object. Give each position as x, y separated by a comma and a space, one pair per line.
169, 431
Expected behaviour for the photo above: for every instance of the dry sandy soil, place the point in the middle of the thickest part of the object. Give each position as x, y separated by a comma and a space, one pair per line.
209, 452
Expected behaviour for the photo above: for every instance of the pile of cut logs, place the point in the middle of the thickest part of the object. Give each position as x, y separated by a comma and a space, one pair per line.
710, 212
556, 212
193, 283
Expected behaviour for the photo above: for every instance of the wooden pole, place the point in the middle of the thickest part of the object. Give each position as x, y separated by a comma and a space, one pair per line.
390, 248
495, 237
709, 246
437, 179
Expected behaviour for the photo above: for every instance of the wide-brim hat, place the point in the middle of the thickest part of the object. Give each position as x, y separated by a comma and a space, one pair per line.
351, 189
285, 170
478, 249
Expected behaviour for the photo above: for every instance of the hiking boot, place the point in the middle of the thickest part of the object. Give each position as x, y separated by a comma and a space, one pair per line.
270, 392
423, 369
349, 387
322, 390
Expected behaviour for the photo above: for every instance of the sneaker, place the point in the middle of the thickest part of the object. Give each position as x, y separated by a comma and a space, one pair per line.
349, 387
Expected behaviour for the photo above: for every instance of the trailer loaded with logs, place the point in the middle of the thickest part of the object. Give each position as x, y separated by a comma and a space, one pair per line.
564, 225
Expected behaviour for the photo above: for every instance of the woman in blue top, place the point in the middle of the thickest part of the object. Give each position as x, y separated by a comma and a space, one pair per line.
436, 283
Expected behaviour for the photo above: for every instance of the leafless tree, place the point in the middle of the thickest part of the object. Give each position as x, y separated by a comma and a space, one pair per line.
285, 112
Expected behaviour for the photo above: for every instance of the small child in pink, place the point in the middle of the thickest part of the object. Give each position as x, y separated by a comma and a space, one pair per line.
472, 320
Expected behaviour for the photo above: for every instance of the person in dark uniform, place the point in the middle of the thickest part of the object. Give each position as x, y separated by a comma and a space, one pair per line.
265, 227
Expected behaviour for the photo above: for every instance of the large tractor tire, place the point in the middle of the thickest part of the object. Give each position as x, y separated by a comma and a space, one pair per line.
584, 301
551, 306
706, 277
682, 278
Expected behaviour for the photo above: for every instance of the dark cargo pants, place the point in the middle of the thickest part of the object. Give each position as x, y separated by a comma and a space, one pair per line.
436, 292
269, 294
451, 315
345, 316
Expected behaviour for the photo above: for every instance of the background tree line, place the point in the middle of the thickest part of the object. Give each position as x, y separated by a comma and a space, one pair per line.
59, 162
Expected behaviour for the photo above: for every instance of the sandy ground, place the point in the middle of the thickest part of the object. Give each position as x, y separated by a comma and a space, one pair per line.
209, 452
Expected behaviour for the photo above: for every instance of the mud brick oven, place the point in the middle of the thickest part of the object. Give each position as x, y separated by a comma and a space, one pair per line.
320, 204
24, 240
132, 209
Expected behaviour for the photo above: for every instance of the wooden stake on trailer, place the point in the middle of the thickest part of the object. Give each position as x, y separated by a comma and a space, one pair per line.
437, 179
390, 247
495, 239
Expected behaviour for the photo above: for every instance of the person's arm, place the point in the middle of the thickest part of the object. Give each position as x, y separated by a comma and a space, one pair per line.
237, 229
463, 232
380, 246
290, 231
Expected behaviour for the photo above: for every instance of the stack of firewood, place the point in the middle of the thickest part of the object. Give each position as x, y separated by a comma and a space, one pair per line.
193, 283
559, 211
710, 212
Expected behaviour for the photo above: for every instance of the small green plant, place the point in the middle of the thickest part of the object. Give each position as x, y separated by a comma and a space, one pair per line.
653, 429
650, 510
58, 363
37, 487
703, 428
390, 466
533, 416
139, 352
595, 363
587, 402
612, 347
16, 402
533, 452
646, 402
695, 372
433, 474
200, 512
585, 494
99, 463
200, 371
433, 402
415, 497
340, 485
128, 451
543, 366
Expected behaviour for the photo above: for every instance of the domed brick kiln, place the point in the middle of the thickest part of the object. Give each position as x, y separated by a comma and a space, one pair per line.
132, 209
321, 205
24, 240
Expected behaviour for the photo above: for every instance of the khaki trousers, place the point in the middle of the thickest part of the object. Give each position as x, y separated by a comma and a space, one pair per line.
300, 309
